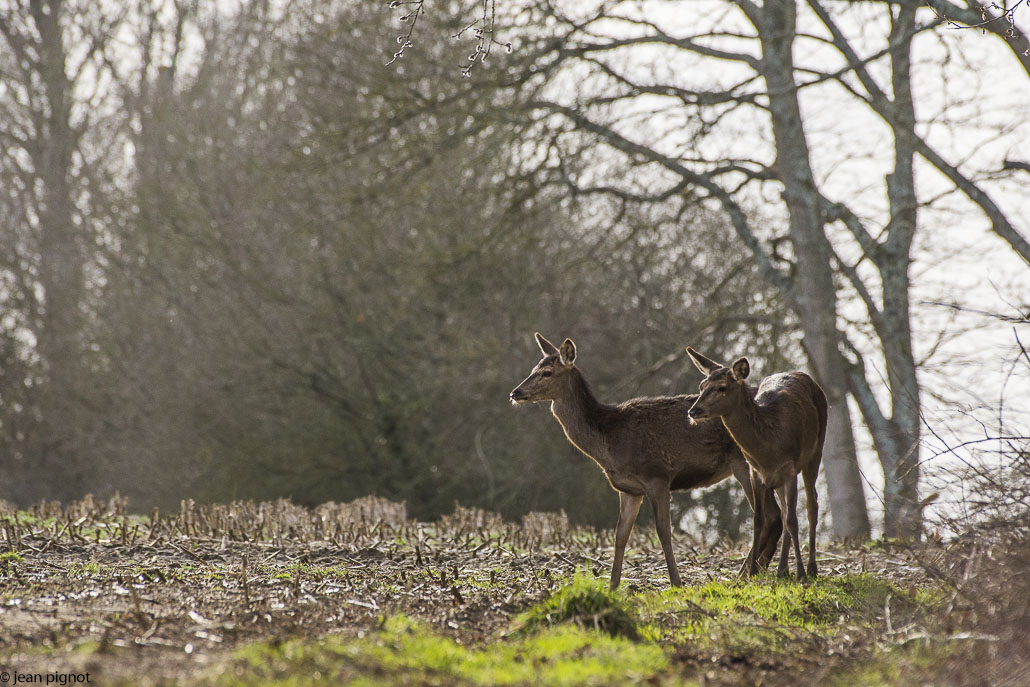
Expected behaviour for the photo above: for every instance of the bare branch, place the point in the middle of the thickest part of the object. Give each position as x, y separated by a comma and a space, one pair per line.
411, 18
1016, 164
976, 15
736, 213
999, 222
1019, 319
885, 108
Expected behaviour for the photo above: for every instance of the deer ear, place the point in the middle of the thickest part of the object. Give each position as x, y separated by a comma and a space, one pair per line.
567, 353
702, 363
741, 369
546, 347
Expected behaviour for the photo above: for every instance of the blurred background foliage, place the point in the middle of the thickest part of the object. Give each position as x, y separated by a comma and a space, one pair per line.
241, 257
305, 275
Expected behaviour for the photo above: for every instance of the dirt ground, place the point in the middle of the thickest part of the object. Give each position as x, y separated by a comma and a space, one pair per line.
90, 588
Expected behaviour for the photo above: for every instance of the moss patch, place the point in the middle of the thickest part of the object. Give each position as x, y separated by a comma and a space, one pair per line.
587, 603
404, 652
767, 617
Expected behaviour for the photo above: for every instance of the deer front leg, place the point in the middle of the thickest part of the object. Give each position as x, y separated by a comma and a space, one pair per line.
743, 474
660, 500
629, 506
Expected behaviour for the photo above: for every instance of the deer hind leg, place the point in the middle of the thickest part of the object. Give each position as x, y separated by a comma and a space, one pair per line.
783, 569
750, 565
812, 501
629, 506
767, 526
743, 474
660, 503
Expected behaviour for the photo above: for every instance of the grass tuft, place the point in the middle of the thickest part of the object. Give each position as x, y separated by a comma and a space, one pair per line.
9, 559
587, 603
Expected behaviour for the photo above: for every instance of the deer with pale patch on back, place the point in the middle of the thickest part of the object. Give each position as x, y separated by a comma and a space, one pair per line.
646, 447
780, 428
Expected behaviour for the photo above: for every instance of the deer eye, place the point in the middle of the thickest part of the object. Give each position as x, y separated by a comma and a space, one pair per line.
722, 389
546, 373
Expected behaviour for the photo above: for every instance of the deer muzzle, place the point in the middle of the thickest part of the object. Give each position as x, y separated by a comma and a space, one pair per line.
696, 414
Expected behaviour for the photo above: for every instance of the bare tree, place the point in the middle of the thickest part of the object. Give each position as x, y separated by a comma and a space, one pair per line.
735, 74
326, 259
267, 259
798, 263
896, 430
53, 101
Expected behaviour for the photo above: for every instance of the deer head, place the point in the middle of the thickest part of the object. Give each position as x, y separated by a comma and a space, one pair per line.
548, 380
721, 389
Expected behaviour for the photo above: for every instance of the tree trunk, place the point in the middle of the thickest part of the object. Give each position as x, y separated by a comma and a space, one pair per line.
895, 437
902, 516
61, 260
814, 290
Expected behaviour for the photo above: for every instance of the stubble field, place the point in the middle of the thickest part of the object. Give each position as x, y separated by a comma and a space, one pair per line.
274, 593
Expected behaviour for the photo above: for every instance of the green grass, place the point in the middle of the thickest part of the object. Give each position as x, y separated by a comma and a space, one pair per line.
87, 569
24, 518
913, 664
9, 559
405, 652
114, 527
587, 603
808, 606
496, 581
765, 616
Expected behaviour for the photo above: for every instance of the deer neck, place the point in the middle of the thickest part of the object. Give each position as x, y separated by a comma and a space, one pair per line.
579, 413
744, 423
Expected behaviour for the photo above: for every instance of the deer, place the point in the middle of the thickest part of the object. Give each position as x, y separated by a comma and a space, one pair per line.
780, 428
646, 448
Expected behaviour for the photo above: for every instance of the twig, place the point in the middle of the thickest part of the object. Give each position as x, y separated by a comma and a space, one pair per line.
189, 553
243, 576
1021, 346
412, 18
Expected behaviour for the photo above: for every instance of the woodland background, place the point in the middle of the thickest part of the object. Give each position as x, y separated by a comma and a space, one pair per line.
243, 257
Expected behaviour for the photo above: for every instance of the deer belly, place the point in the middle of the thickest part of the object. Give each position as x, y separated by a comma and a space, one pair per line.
778, 477
695, 479
626, 484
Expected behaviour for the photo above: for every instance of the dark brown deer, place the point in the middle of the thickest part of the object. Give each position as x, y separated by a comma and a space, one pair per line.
646, 447
780, 427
